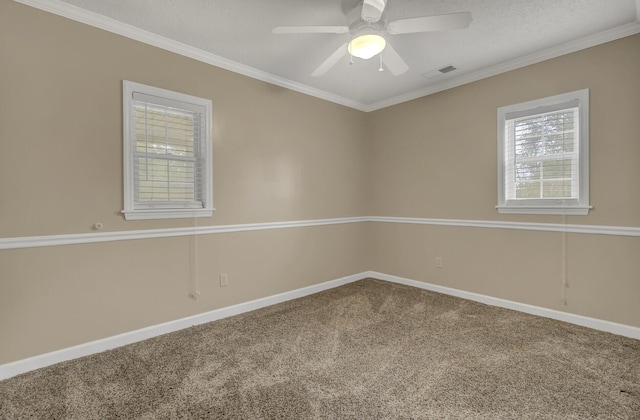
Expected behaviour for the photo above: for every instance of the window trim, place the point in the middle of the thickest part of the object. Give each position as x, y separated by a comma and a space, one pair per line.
578, 206
131, 212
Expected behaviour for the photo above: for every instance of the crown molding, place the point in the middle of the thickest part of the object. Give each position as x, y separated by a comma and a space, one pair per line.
111, 25
129, 31
526, 60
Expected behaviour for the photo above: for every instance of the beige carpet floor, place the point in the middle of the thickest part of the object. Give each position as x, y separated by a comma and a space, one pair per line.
370, 349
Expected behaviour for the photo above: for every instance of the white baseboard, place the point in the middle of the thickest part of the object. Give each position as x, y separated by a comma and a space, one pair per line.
25, 365
596, 324
21, 366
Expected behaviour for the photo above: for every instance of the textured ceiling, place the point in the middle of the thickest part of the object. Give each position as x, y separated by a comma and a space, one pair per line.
502, 31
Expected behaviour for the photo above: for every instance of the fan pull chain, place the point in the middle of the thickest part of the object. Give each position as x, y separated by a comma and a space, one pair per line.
381, 68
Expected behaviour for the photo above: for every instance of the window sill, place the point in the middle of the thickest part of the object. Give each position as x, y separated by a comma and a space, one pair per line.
569, 211
166, 214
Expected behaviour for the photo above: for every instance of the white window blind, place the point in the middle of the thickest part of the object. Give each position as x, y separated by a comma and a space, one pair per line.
166, 143
542, 155
167, 163
543, 152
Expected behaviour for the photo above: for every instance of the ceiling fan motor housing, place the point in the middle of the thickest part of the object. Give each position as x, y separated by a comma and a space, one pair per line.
360, 27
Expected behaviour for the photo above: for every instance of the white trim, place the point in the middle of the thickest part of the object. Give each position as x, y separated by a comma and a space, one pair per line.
102, 22
86, 238
111, 25
489, 224
594, 323
577, 206
203, 107
9, 370
167, 214
569, 211
526, 60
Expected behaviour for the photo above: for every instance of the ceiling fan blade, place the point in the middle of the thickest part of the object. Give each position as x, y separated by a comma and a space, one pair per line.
430, 23
330, 61
372, 10
310, 30
393, 61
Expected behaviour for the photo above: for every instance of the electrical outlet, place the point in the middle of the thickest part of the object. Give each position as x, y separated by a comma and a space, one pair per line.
438, 262
224, 279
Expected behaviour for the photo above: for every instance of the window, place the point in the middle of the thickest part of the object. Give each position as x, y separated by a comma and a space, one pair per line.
167, 154
543, 156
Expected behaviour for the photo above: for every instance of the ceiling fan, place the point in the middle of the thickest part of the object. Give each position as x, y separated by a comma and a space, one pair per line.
367, 24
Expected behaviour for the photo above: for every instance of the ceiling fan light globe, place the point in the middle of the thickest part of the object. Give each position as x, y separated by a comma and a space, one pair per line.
367, 46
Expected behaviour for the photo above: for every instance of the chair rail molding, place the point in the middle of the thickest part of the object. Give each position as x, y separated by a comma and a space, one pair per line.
93, 237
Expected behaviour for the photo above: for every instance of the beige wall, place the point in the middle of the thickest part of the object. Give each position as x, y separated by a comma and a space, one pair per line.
57, 297
283, 156
435, 157
278, 155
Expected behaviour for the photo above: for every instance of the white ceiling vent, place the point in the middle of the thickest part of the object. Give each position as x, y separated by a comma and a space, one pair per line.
446, 69
439, 72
